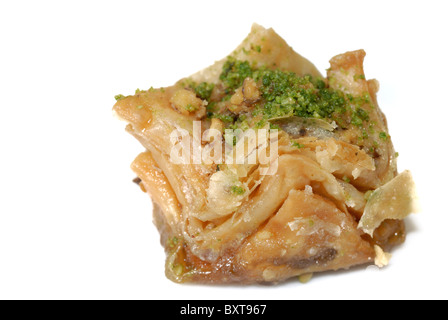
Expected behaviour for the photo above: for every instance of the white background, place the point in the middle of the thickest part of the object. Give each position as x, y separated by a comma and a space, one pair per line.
74, 226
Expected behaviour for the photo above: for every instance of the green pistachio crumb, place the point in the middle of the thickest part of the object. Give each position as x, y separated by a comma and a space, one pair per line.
297, 145
172, 242
118, 97
238, 190
383, 136
190, 108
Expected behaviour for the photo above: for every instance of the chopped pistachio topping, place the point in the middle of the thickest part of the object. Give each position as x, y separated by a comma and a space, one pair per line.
203, 90
223, 117
118, 97
383, 135
172, 242
190, 108
234, 72
297, 145
238, 190
280, 94
286, 94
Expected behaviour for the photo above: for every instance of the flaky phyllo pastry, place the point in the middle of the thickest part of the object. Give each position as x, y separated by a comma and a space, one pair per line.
260, 169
